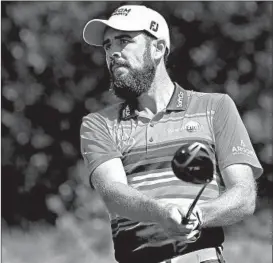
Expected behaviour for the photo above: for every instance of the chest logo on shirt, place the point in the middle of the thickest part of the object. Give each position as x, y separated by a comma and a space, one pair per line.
193, 126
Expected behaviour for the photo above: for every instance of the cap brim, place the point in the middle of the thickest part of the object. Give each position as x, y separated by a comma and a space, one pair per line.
94, 30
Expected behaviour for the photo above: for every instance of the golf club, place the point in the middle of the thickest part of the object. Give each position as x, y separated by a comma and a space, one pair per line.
192, 163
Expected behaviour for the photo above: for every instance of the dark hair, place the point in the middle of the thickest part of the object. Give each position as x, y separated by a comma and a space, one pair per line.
151, 37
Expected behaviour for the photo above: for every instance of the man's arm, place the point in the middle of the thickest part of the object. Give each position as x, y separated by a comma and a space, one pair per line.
238, 168
236, 202
109, 179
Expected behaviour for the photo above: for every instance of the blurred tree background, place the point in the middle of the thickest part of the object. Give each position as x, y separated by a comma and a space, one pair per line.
51, 79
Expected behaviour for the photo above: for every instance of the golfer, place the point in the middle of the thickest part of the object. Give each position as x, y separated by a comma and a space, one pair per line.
128, 148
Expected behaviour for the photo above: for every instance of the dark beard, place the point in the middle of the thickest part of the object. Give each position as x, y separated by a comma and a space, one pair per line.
136, 81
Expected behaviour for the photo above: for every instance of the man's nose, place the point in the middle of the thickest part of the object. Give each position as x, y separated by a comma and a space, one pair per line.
115, 55
115, 51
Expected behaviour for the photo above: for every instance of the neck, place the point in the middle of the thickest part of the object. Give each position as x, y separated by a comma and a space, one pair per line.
158, 96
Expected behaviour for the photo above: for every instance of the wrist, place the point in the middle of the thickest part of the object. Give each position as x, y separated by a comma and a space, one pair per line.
157, 210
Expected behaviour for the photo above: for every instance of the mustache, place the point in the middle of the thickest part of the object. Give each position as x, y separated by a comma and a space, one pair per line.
118, 64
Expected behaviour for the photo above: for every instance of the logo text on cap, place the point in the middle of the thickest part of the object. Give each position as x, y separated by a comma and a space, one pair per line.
154, 26
122, 12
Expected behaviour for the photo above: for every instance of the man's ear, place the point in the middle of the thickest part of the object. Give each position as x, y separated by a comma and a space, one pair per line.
160, 47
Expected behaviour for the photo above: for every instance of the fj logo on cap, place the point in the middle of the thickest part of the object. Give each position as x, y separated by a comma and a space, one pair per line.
154, 26
121, 12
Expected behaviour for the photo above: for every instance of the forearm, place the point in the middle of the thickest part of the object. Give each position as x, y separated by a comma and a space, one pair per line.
130, 203
231, 207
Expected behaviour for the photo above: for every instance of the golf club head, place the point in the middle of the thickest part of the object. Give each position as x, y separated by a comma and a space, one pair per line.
192, 163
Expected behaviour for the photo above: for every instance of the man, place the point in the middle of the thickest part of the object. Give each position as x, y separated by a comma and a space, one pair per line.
128, 149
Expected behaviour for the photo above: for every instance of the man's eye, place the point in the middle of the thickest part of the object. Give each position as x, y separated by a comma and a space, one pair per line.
124, 41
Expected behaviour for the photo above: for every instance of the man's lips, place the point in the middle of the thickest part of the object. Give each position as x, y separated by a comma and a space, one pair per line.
116, 66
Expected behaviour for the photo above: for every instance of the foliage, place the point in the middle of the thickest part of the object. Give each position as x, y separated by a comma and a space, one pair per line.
51, 79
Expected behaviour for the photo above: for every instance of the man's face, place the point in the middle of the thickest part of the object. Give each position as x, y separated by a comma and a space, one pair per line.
130, 63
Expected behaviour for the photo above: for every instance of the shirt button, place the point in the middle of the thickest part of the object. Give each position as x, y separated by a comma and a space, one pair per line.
151, 139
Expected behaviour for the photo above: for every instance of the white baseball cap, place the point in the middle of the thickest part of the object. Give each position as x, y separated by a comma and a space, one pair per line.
128, 18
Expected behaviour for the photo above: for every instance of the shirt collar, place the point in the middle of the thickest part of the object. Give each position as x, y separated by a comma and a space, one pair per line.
179, 99
178, 102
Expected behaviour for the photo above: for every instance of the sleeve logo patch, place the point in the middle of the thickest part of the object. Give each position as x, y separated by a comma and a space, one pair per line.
242, 143
242, 149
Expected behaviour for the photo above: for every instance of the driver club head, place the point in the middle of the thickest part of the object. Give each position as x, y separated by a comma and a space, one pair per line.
192, 163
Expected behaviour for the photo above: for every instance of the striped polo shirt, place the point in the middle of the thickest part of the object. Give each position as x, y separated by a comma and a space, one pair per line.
146, 148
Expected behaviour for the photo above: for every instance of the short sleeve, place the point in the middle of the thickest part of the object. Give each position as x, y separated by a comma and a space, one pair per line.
97, 144
232, 141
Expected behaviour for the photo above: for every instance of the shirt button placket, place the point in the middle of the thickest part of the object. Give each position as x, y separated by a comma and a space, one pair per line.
150, 134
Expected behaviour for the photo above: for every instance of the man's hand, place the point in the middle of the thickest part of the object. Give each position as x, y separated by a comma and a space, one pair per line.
170, 225
188, 232
172, 221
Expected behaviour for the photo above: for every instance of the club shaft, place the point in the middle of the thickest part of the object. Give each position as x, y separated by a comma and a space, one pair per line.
185, 220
